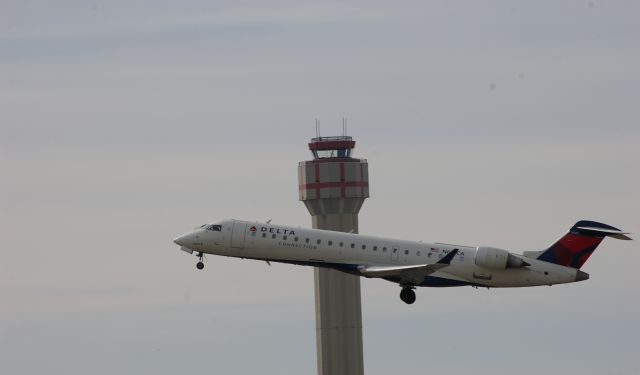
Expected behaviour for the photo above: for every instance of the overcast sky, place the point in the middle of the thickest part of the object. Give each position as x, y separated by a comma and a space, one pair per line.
126, 123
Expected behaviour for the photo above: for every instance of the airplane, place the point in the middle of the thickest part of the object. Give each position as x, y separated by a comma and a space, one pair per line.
407, 263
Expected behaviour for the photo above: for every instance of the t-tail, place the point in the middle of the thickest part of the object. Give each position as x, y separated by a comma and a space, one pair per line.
574, 248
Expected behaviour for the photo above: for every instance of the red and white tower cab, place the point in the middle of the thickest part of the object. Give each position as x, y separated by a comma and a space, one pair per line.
333, 183
333, 187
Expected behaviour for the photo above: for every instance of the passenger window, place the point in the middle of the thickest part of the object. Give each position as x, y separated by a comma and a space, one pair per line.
330, 243
306, 240
296, 239
273, 236
284, 238
406, 252
418, 253
341, 243
353, 245
384, 249
364, 247
375, 248
318, 242
264, 235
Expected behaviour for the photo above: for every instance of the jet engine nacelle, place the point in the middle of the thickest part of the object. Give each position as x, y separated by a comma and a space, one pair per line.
491, 257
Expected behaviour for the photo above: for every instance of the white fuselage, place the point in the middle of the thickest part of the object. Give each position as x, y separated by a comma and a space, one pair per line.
347, 252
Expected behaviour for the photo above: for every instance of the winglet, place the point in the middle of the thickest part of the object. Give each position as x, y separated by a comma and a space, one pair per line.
447, 259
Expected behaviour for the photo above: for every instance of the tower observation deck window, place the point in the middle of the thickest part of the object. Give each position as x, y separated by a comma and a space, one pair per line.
332, 147
339, 153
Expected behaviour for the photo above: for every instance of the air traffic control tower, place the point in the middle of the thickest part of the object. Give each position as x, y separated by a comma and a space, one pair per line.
333, 186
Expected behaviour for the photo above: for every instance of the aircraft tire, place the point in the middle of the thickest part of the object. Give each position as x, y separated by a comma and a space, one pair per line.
200, 265
408, 296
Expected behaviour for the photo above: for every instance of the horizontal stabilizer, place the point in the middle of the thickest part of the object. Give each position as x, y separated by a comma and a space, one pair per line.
609, 232
621, 236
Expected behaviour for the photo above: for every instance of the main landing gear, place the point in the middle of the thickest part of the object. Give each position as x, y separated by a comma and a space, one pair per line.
200, 265
407, 295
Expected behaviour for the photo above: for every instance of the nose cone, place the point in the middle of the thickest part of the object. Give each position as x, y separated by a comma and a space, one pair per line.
183, 240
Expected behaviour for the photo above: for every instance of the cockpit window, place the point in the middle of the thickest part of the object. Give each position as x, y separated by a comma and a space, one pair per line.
217, 228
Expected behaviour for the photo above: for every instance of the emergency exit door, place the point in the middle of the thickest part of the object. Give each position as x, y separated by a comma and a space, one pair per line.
395, 253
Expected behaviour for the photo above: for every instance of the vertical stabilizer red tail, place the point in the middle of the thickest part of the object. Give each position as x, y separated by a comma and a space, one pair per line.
574, 248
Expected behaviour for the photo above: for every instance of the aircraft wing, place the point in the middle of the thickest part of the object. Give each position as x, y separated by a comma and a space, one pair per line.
413, 274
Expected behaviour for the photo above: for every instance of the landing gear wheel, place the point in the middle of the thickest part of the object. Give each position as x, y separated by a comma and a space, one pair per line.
200, 265
407, 295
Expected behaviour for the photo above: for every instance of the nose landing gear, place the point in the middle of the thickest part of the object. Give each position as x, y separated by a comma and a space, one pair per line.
407, 295
200, 265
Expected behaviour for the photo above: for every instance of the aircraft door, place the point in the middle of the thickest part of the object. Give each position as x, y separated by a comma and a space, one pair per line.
237, 234
395, 252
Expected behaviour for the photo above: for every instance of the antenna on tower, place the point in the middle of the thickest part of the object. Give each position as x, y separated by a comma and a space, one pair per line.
317, 128
344, 126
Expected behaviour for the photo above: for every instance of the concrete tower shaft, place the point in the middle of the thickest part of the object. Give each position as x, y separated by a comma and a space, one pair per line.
333, 187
